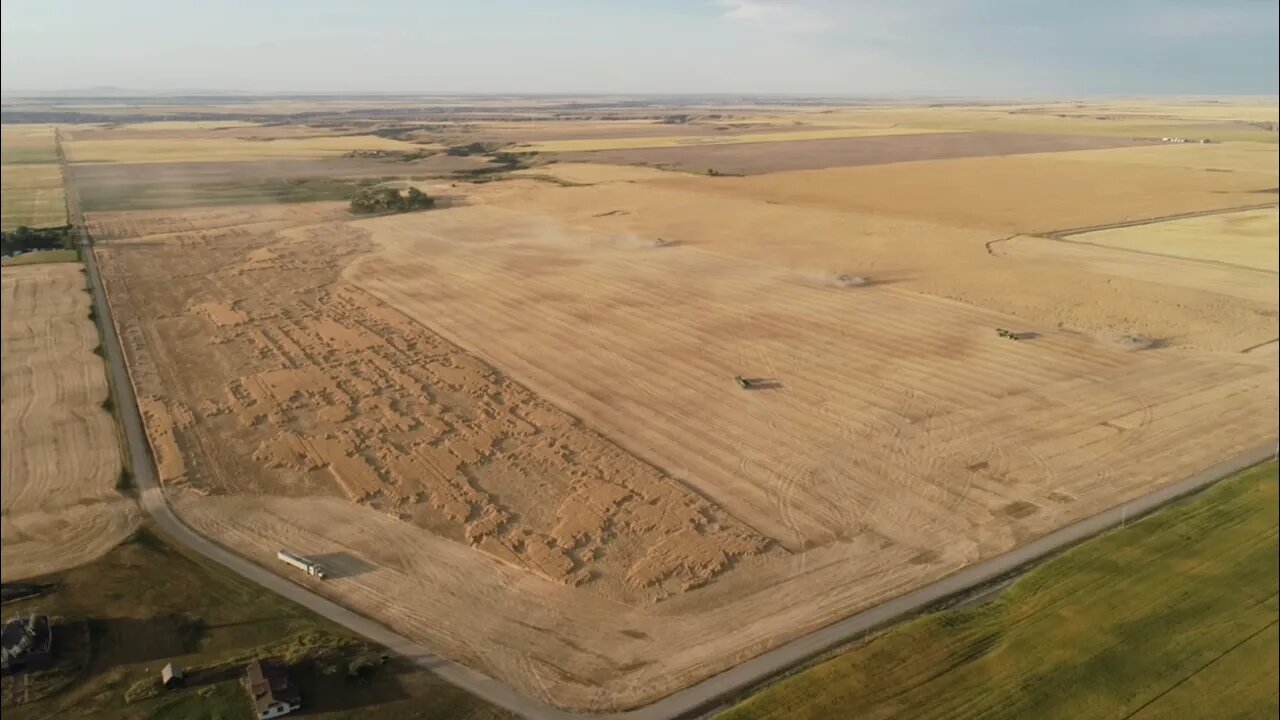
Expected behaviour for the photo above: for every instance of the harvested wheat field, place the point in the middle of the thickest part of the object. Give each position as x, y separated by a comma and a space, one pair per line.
1256, 287
1246, 239
511, 428
969, 264
627, 143
60, 454
1016, 194
1228, 157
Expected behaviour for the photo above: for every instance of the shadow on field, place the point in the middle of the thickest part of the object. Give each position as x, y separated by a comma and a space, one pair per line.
126, 641
342, 565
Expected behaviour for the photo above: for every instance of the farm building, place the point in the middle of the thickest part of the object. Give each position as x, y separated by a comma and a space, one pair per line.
270, 691
27, 644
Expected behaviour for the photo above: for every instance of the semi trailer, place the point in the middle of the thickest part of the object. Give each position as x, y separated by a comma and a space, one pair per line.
311, 568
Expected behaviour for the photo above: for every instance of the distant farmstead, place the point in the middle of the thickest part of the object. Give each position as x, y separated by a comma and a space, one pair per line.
270, 690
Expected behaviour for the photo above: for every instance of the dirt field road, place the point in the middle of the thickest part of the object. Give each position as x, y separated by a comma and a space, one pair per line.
681, 703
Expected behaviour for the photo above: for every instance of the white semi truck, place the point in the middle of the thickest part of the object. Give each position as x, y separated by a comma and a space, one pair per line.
303, 564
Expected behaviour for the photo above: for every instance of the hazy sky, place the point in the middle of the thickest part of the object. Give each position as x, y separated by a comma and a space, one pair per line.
941, 47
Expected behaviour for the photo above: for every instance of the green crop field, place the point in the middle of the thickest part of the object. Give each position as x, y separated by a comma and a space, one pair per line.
41, 257
1173, 616
17, 155
33, 196
109, 197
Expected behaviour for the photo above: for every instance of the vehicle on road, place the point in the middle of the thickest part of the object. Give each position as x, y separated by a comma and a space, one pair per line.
307, 566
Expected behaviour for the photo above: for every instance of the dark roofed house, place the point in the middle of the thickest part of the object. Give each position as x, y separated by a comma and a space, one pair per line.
270, 690
27, 644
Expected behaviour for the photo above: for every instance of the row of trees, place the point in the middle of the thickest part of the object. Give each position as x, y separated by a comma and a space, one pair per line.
390, 200
24, 239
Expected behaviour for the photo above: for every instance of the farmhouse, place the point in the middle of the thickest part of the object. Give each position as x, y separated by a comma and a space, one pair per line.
270, 690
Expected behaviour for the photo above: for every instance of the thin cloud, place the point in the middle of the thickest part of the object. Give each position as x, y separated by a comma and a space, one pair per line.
773, 14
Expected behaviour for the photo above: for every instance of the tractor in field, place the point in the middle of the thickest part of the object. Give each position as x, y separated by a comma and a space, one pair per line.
742, 382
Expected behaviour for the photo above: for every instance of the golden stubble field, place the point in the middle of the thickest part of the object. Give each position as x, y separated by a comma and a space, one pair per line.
60, 453
510, 429
512, 432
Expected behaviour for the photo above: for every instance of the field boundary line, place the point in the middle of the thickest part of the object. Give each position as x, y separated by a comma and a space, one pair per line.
1261, 345
1201, 669
1060, 234
1065, 235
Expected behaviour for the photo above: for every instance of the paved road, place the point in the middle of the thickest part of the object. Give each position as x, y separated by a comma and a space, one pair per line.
686, 702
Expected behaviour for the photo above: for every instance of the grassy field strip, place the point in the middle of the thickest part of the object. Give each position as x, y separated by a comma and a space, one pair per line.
227, 149
33, 207
686, 140
1143, 622
41, 257
22, 144
31, 192
105, 197
58, 449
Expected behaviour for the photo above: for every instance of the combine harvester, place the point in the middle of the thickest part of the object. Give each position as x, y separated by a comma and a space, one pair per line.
303, 564
1013, 335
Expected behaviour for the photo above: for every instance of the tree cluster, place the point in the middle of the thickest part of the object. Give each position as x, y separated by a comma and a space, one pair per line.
475, 148
24, 239
390, 200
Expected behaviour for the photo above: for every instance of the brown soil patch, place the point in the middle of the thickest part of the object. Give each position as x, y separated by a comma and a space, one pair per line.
757, 158
59, 452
